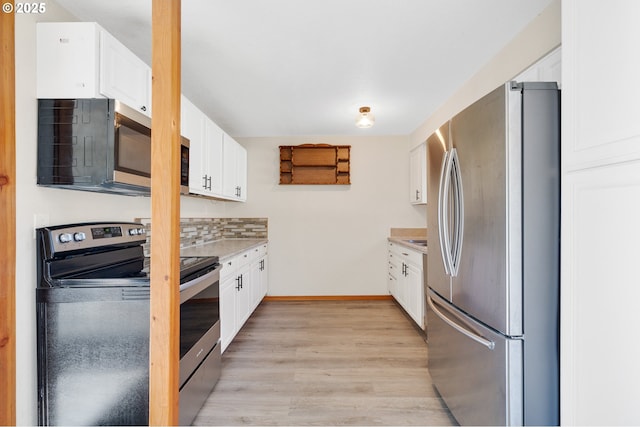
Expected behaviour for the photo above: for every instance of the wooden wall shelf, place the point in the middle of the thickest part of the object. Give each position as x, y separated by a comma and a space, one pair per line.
315, 164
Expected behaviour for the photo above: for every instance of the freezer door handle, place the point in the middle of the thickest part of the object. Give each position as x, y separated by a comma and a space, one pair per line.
443, 223
470, 334
458, 214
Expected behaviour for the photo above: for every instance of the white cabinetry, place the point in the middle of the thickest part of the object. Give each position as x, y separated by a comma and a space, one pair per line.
243, 284
405, 280
82, 60
205, 150
228, 290
124, 76
418, 174
213, 167
600, 210
259, 281
217, 163
234, 185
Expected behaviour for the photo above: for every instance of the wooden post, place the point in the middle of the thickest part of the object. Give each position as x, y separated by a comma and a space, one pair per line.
165, 214
7, 217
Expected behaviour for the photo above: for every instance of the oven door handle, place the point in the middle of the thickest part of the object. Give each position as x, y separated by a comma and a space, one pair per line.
197, 285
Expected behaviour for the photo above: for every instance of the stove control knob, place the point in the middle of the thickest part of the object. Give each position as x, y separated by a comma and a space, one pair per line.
133, 232
141, 231
65, 238
79, 237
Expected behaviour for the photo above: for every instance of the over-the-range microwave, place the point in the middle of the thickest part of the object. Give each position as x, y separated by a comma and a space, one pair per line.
98, 144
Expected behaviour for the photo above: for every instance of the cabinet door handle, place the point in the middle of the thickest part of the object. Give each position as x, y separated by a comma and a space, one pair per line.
417, 194
238, 286
204, 181
209, 183
143, 108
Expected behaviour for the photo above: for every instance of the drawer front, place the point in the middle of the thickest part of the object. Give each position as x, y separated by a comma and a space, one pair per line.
245, 257
407, 255
229, 267
395, 268
196, 391
411, 257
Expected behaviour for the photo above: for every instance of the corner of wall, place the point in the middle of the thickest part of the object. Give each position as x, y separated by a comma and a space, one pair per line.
537, 39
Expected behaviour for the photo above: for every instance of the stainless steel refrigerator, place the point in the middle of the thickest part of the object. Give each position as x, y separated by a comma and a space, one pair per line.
493, 264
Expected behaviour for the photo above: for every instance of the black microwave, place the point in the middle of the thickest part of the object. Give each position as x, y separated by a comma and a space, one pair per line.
98, 144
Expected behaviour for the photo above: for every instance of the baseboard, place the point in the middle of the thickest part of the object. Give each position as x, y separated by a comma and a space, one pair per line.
328, 298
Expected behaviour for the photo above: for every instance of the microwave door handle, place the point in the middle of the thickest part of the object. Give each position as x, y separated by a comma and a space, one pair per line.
464, 331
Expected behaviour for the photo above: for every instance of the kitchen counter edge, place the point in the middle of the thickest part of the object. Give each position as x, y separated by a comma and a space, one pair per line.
223, 249
404, 241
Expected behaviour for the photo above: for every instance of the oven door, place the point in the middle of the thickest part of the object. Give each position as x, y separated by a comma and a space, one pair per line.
200, 357
199, 321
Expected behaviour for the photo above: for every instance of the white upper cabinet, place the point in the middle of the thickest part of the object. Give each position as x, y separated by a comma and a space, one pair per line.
67, 60
234, 182
217, 163
192, 128
241, 166
124, 76
418, 175
82, 60
600, 98
214, 166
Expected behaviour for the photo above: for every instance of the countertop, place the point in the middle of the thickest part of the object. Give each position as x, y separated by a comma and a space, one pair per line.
403, 236
225, 248
405, 241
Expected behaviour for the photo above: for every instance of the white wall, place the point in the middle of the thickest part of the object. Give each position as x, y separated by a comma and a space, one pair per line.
52, 206
331, 239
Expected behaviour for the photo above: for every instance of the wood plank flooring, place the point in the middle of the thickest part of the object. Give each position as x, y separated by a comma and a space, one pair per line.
326, 363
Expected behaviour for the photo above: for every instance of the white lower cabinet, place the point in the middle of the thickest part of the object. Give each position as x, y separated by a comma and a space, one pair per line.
406, 280
243, 284
259, 282
228, 328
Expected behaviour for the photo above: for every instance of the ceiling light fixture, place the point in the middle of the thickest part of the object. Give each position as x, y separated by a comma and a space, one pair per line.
365, 119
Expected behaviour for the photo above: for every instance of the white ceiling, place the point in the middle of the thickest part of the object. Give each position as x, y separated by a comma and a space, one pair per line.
303, 67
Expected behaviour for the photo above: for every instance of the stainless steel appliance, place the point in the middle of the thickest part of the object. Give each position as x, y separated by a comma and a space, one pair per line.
92, 304
98, 145
493, 267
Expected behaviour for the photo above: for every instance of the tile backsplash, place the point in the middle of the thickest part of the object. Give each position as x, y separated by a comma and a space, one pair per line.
198, 231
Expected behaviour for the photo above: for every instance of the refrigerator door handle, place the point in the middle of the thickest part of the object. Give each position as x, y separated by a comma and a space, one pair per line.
458, 217
442, 225
469, 334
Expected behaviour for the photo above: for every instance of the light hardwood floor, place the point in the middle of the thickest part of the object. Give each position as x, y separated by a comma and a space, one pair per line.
325, 363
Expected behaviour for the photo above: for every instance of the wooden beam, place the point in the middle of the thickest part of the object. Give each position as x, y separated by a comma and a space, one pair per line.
165, 214
7, 218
